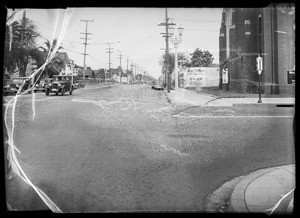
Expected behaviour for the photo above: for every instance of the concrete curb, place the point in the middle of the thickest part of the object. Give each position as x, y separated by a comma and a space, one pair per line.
263, 105
237, 200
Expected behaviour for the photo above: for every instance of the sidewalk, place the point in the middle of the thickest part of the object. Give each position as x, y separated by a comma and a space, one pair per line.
185, 96
265, 191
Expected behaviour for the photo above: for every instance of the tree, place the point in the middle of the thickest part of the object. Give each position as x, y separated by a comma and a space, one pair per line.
57, 63
201, 58
182, 59
21, 35
50, 48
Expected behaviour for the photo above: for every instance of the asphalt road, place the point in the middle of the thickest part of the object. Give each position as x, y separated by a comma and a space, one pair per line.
126, 148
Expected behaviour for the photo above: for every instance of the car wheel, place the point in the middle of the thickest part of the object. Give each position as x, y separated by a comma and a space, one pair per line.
47, 92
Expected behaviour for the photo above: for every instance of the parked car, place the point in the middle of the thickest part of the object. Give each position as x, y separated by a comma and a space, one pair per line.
41, 86
157, 86
76, 85
80, 85
10, 89
61, 84
18, 81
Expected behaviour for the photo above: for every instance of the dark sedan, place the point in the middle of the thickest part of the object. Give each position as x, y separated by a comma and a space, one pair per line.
157, 86
10, 89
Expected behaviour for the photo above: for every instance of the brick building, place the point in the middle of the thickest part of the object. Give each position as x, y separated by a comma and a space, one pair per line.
245, 34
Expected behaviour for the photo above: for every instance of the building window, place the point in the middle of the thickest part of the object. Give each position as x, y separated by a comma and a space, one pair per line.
247, 22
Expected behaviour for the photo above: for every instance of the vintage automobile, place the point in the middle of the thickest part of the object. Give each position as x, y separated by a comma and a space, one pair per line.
60, 84
157, 86
41, 86
76, 85
80, 84
18, 81
10, 89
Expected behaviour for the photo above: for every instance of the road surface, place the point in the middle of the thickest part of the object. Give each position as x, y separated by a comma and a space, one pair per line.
126, 148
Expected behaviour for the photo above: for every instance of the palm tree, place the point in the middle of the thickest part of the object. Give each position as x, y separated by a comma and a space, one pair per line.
18, 45
57, 63
48, 46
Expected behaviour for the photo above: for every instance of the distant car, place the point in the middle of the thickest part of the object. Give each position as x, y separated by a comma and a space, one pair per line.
61, 84
41, 86
76, 85
157, 86
81, 85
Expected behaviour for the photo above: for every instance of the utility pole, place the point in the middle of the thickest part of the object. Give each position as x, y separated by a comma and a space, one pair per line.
110, 50
120, 57
127, 70
85, 44
167, 74
132, 65
127, 65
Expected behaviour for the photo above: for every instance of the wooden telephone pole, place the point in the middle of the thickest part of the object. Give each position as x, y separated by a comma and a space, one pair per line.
167, 36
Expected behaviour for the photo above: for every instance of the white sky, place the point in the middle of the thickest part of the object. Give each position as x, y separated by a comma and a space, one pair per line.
137, 30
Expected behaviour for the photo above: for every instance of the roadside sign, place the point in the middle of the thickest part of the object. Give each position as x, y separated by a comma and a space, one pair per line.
259, 64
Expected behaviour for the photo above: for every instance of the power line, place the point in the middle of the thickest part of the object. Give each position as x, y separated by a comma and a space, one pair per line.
50, 30
201, 30
215, 21
77, 24
72, 51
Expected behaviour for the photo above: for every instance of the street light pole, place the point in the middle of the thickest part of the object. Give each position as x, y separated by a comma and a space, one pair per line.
259, 90
176, 41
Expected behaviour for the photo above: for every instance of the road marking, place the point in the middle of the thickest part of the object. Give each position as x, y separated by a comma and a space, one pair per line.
246, 116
